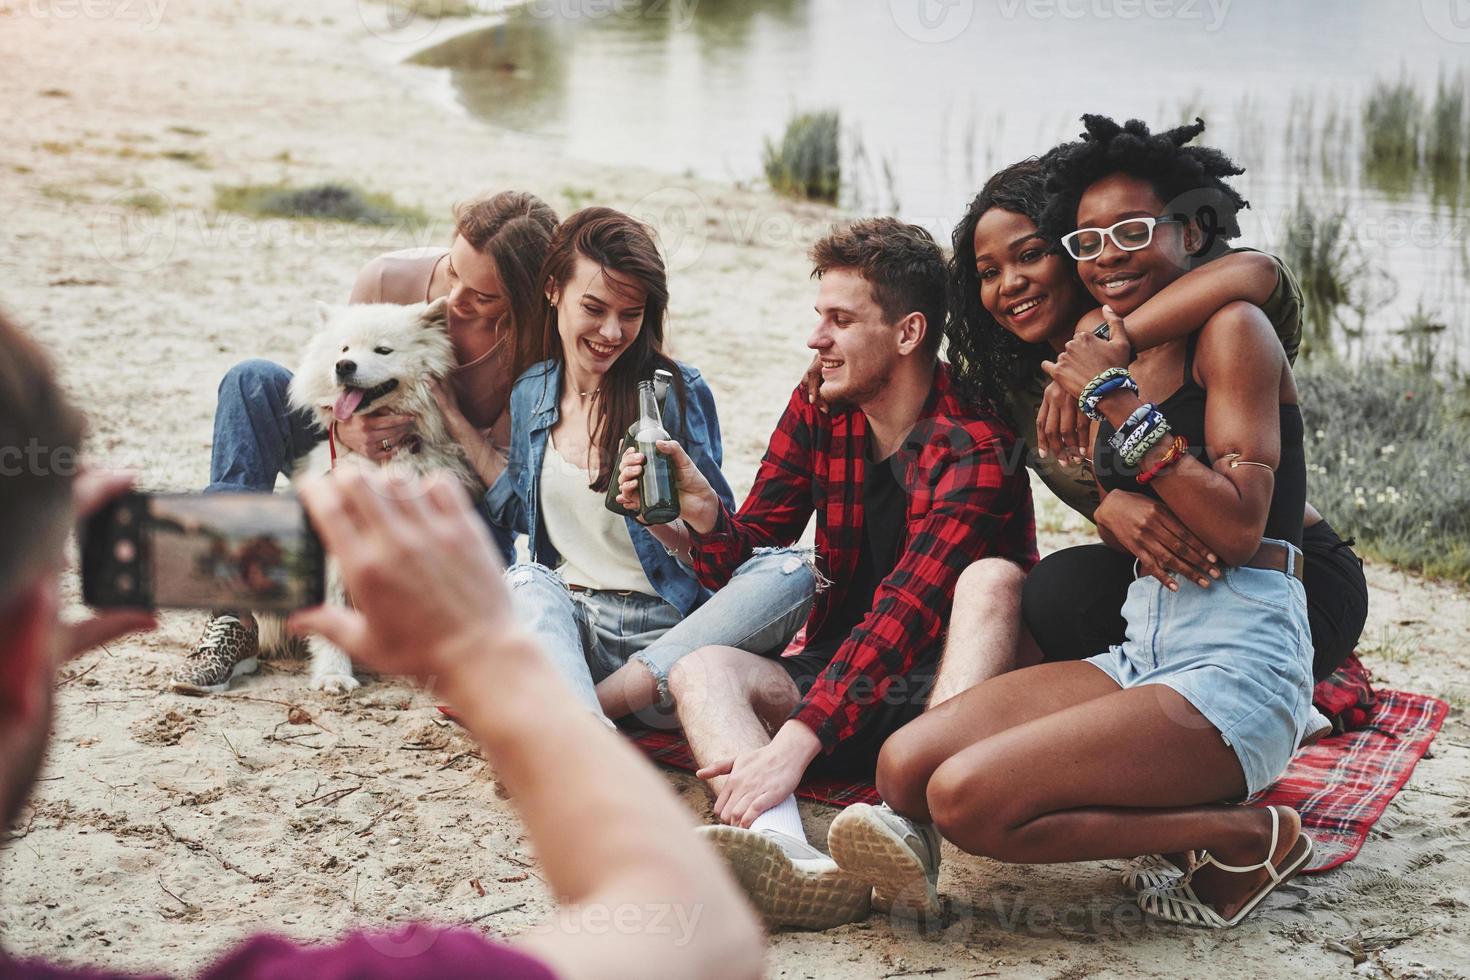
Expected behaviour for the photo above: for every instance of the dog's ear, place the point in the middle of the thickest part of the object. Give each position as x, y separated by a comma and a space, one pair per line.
436, 314
323, 312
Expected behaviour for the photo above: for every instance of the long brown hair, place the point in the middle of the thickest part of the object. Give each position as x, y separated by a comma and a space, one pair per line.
514, 228
625, 250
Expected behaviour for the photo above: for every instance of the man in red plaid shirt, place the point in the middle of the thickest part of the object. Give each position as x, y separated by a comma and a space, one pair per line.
910, 487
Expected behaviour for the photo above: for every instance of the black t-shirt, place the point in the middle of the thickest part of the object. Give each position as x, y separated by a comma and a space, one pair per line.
885, 527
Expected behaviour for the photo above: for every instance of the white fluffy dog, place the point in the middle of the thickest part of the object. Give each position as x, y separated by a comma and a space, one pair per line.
369, 358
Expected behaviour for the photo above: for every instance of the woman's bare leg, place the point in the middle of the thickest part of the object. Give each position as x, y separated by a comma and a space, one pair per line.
912, 754
1133, 772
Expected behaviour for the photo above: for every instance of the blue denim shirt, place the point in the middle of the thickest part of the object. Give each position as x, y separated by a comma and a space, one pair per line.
533, 412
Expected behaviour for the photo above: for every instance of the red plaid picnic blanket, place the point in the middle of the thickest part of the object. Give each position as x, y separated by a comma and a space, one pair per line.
1340, 786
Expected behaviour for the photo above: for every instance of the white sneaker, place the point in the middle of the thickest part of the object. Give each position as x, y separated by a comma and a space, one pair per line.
898, 857
790, 882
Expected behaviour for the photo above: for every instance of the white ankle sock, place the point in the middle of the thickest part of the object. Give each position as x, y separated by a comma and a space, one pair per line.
785, 817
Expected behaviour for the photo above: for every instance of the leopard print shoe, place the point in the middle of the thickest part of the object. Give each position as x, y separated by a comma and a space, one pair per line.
227, 649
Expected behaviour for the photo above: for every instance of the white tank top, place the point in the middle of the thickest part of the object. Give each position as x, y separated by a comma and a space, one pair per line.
596, 551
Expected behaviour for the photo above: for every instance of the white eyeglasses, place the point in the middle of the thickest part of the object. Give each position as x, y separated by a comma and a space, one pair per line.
1130, 234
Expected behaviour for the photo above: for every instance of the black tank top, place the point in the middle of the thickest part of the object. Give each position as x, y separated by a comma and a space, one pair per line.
1185, 410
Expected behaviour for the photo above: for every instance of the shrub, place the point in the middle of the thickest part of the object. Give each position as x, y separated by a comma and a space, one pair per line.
1320, 250
1386, 462
1448, 128
322, 202
1392, 123
808, 162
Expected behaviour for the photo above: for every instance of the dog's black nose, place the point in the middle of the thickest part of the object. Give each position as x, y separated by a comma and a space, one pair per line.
346, 368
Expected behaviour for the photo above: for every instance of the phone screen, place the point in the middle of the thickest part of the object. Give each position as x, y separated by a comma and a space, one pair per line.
247, 551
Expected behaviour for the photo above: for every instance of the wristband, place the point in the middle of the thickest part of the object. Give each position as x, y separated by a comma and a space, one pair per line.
1139, 414
1171, 456
1151, 439
1113, 379
1138, 425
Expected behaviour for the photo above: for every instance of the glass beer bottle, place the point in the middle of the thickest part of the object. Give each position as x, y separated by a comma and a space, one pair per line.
662, 379
658, 494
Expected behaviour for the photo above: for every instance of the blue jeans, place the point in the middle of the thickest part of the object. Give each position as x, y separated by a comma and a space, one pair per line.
590, 634
258, 435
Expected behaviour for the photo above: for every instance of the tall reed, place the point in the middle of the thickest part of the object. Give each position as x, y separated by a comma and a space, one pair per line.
807, 163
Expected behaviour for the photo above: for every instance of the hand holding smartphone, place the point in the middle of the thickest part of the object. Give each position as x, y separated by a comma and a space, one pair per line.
254, 551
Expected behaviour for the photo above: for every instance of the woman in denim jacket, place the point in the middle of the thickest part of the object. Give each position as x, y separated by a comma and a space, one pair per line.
599, 587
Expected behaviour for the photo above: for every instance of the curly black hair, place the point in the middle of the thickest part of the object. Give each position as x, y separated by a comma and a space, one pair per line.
987, 359
1190, 179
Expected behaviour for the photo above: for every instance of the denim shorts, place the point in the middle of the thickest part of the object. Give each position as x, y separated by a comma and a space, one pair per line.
1239, 651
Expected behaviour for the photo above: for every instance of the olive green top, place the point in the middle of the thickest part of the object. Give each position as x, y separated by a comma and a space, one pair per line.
1074, 485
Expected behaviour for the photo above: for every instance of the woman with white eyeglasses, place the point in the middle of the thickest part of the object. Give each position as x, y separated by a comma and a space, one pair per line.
1141, 749
1017, 301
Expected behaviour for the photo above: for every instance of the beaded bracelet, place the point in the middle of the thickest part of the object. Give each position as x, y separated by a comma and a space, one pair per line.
1172, 455
1120, 435
1126, 440
1151, 439
1113, 379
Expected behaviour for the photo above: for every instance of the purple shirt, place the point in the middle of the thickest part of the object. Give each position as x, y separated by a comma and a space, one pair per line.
411, 952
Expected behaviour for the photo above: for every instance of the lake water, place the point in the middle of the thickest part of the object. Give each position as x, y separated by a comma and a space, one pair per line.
935, 95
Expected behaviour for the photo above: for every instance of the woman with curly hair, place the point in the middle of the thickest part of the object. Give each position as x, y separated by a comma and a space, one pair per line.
1017, 301
1138, 749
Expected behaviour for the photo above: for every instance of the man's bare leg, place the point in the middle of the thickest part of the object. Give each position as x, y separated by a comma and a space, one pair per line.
984, 628
729, 702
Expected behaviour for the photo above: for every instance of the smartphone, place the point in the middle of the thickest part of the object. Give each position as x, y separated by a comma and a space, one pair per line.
248, 551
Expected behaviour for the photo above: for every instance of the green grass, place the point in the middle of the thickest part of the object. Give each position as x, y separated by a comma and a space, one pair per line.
1393, 644
577, 198
149, 201
320, 202
807, 162
64, 193
195, 158
1387, 462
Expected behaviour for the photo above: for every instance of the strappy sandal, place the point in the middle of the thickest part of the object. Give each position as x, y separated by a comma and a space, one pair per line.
1178, 902
1153, 871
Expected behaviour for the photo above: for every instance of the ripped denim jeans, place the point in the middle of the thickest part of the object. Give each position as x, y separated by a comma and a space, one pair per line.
590, 634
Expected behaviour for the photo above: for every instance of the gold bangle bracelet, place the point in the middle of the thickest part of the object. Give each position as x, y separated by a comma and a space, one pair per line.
1236, 461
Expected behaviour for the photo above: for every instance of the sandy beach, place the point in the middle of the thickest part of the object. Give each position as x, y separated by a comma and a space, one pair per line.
166, 827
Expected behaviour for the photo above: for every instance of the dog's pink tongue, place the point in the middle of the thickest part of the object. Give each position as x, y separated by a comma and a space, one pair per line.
347, 403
